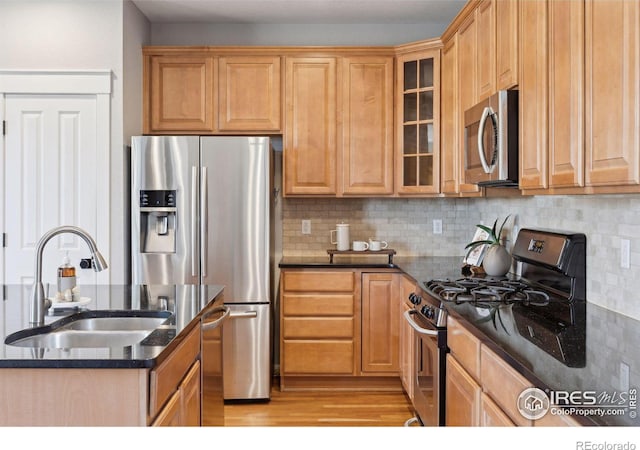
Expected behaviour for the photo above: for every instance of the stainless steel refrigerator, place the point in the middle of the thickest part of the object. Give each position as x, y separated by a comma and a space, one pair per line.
201, 215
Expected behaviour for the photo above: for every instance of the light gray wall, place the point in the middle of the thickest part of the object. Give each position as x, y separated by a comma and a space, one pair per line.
291, 34
74, 35
137, 33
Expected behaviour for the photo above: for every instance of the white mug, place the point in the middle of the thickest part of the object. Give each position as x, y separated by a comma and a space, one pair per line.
375, 245
342, 236
360, 246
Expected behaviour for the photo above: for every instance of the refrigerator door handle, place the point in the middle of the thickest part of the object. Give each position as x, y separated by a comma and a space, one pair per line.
204, 221
244, 315
194, 225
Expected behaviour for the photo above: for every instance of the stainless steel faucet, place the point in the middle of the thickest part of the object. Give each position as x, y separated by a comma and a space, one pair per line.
39, 304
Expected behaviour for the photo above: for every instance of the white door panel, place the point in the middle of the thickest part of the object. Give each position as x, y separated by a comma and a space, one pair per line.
50, 175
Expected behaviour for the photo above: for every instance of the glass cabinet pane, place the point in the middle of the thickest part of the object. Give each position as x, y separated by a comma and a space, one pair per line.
425, 138
410, 138
426, 170
426, 73
410, 171
410, 75
410, 107
425, 100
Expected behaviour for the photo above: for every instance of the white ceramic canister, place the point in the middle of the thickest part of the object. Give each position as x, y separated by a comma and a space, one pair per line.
341, 239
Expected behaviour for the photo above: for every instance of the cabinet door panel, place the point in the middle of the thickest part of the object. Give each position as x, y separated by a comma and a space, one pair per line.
450, 159
467, 88
533, 95
380, 323
486, 51
507, 33
463, 396
249, 93
491, 415
367, 135
310, 151
566, 88
612, 92
182, 93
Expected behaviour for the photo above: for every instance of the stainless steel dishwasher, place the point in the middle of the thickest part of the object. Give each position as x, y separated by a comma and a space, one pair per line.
212, 385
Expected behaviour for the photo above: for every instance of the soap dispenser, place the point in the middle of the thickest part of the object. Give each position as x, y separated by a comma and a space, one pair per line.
66, 276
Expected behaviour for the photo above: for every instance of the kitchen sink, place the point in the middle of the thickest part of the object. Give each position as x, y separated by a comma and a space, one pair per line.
92, 329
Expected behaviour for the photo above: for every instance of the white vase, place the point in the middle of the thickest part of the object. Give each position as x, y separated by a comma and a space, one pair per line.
496, 261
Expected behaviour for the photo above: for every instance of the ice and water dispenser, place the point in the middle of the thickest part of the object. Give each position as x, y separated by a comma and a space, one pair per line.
157, 221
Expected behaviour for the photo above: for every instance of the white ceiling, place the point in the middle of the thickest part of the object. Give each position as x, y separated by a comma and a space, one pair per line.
301, 11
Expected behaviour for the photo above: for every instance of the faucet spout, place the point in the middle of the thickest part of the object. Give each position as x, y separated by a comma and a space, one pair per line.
38, 301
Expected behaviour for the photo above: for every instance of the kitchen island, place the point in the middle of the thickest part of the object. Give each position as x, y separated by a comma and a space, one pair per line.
136, 385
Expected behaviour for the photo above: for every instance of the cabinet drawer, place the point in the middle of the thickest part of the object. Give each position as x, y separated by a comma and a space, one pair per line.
317, 327
503, 384
319, 281
164, 379
318, 357
464, 346
317, 305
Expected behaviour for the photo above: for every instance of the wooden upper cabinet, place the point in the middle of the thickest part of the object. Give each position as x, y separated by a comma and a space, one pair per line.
612, 91
417, 122
249, 93
506, 40
310, 137
181, 94
367, 131
467, 88
486, 48
450, 152
533, 99
566, 93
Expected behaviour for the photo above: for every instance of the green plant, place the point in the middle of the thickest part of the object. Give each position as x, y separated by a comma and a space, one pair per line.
492, 237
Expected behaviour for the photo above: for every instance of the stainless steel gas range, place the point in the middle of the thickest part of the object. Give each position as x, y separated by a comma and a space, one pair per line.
546, 301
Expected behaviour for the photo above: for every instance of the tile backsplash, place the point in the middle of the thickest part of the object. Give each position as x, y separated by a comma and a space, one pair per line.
407, 224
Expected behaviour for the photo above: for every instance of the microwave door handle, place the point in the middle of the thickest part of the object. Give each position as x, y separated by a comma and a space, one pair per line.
483, 119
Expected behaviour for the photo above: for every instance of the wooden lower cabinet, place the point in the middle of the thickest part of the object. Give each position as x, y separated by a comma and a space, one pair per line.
338, 329
482, 389
380, 322
183, 407
168, 394
491, 415
462, 396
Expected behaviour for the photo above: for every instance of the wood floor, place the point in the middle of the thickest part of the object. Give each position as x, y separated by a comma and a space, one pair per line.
318, 409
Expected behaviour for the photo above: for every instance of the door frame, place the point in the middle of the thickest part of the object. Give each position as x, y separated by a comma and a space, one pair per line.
69, 82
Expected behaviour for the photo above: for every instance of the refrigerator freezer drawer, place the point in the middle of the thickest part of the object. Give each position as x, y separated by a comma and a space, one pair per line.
247, 352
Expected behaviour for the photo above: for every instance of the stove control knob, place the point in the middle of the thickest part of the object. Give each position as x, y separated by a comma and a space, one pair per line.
428, 312
415, 298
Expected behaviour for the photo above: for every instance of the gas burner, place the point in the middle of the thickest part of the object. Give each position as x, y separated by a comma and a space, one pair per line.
487, 291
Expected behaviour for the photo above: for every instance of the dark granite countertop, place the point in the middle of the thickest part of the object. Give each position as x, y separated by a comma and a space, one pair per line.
186, 303
612, 341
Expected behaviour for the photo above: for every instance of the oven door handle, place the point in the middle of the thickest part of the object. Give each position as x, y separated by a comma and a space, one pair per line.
418, 328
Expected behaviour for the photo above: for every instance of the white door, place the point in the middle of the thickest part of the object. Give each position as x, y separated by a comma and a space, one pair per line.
50, 175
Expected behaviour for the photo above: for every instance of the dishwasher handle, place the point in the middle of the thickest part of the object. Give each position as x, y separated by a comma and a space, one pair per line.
418, 328
210, 325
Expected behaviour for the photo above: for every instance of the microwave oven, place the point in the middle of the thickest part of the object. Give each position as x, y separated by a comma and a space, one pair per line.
491, 141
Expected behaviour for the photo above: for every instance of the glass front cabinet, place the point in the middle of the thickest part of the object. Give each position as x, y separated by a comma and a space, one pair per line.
417, 120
